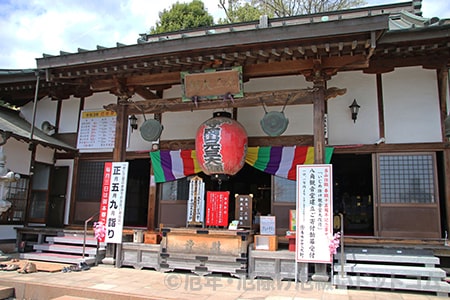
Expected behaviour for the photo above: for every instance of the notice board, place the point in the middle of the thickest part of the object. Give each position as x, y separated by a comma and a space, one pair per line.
243, 210
314, 213
97, 129
217, 208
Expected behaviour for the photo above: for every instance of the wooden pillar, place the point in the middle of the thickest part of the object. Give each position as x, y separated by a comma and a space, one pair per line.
443, 88
447, 188
120, 145
319, 149
318, 123
152, 192
113, 251
380, 103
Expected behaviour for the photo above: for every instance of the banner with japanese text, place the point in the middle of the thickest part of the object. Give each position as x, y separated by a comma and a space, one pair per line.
217, 208
314, 230
112, 205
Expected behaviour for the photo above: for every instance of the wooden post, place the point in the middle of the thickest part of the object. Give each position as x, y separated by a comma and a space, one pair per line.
442, 75
320, 270
120, 145
119, 155
319, 126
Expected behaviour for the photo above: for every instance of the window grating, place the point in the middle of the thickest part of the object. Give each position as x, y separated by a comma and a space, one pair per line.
407, 178
284, 190
17, 195
90, 180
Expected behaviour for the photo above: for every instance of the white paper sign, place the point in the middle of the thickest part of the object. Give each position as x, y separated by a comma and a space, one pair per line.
314, 213
97, 129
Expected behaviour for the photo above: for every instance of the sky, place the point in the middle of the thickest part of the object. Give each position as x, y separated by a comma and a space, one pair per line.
30, 28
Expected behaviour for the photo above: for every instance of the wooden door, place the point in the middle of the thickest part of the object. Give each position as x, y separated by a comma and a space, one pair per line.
407, 201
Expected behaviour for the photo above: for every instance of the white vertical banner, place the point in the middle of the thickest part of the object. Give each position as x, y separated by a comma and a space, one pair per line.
116, 202
314, 230
196, 202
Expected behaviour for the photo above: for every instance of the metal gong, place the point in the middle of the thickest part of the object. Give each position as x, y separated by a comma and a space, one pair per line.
151, 130
274, 123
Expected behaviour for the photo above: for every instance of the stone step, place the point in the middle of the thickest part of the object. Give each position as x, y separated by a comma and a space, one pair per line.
390, 255
391, 270
392, 258
70, 298
6, 292
72, 249
442, 288
71, 239
58, 257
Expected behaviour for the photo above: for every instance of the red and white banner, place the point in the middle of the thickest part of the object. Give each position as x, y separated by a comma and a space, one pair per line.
217, 208
112, 205
314, 230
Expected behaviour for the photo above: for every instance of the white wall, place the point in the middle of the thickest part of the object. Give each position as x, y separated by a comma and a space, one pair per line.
44, 154
411, 106
98, 100
45, 111
341, 128
18, 156
68, 122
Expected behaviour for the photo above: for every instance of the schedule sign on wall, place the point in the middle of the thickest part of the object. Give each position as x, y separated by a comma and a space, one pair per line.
314, 213
217, 208
97, 129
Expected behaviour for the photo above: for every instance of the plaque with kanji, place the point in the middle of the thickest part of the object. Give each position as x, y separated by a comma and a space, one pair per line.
196, 202
212, 84
243, 210
217, 208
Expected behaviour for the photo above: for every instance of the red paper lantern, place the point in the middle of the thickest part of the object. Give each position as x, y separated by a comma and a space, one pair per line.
221, 145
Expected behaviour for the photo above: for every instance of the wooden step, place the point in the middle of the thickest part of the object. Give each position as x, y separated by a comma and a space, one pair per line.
440, 287
58, 257
413, 271
72, 249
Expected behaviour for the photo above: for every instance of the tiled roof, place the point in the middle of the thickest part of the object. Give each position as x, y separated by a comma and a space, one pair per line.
11, 123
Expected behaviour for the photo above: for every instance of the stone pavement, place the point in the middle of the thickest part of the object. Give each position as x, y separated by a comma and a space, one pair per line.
108, 282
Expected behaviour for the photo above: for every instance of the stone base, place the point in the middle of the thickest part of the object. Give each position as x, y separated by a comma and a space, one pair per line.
109, 261
320, 273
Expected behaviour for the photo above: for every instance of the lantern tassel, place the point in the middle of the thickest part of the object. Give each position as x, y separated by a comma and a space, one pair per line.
195, 100
228, 96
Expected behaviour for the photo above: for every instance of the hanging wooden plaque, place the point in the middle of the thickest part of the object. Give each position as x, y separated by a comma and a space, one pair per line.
212, 84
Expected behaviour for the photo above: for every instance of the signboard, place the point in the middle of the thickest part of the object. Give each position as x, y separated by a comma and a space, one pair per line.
217, 208
314, 213
243, 210
196, 202
112, 205
212, 84
267, 225
97, 129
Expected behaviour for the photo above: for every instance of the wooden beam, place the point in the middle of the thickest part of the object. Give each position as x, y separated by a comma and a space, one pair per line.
270, 98
145, 93
284, 140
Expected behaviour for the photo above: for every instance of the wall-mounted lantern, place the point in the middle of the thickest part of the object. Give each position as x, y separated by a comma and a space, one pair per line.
354, 109
133, 122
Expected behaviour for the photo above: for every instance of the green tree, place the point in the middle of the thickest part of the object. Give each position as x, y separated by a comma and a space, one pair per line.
236, 11
281, 8
183, 16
